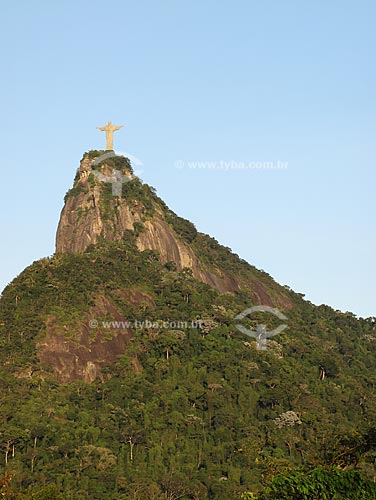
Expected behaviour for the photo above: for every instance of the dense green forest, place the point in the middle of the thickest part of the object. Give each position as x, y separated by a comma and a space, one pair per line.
191, 409
199, 410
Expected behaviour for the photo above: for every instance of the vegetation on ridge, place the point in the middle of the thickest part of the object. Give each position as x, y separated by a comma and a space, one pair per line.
190, 409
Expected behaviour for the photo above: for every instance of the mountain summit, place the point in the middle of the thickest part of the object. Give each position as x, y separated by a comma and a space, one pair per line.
141, 361
92, 213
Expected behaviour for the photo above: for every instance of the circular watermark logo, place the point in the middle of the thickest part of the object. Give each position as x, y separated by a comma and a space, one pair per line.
261, 334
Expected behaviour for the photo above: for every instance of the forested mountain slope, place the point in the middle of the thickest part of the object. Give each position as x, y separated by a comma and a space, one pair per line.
123, 375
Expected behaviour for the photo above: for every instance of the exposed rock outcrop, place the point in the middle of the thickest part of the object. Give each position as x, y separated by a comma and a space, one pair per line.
81, 352
89, 216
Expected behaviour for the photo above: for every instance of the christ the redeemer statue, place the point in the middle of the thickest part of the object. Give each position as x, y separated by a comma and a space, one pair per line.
110, 129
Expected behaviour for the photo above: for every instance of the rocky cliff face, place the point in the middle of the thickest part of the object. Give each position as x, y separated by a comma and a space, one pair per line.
87, 217
80, 355
92, 213
96, 212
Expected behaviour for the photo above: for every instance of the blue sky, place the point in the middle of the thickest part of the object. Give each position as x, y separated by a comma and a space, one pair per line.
203, 81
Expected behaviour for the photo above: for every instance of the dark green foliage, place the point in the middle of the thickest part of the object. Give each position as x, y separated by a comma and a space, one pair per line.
191, 410
320, 483
74, 191
184, 228
92, 154
138, 192
202, 405
116, 162
138, 227
211, 251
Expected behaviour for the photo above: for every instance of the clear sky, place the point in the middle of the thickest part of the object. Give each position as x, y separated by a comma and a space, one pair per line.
203, 81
